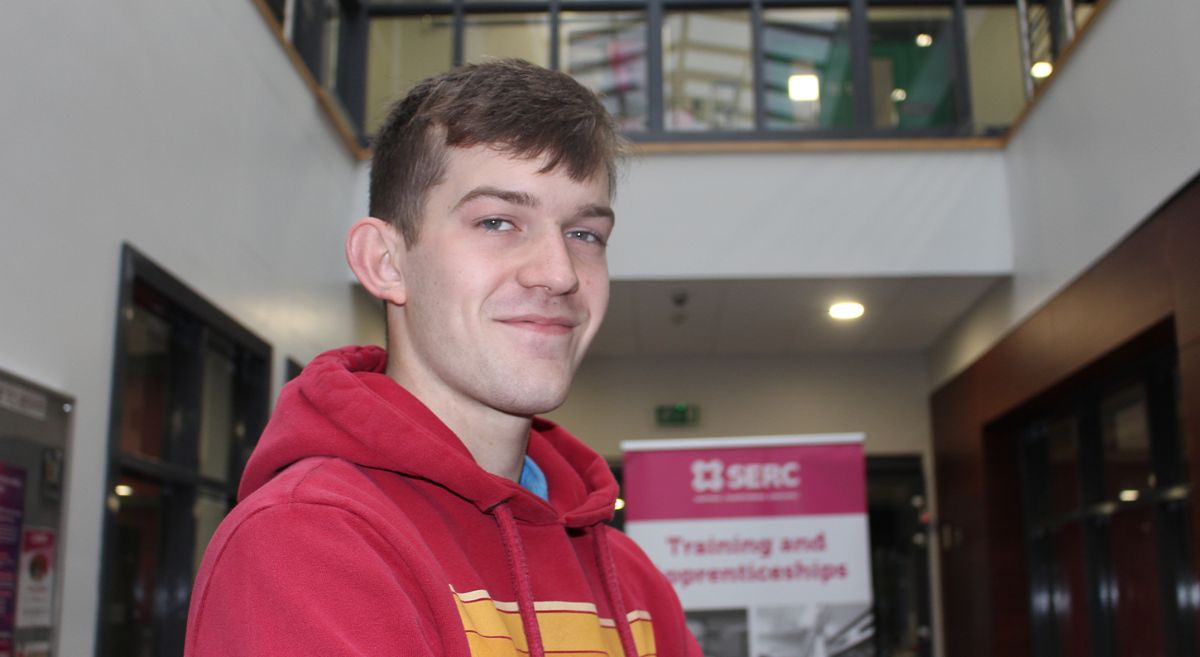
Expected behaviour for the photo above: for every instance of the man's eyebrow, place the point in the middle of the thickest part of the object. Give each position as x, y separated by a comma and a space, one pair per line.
527, 200
506, 195
596, 210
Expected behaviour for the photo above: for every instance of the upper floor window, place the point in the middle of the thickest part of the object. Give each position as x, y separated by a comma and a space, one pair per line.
686, 70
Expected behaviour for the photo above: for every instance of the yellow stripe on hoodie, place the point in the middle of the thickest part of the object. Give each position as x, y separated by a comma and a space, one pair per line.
569, 629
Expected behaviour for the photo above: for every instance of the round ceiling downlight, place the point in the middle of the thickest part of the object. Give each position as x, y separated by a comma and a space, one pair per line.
846, 310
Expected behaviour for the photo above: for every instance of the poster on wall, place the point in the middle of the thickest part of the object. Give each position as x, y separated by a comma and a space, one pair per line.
35, 585
12, 512
764, 538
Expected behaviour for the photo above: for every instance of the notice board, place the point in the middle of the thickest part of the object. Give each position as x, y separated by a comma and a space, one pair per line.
34, 429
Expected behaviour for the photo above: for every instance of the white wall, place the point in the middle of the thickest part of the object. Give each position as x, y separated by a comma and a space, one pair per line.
181, 127
883, 396
1113, 138
613, 398
808, 215
812, 214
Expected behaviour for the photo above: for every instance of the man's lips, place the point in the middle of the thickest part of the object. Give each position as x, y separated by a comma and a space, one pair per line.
548, 325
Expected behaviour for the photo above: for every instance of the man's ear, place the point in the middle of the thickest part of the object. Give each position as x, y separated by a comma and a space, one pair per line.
374, 250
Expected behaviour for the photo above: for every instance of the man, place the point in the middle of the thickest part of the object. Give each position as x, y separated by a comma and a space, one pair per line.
409, 502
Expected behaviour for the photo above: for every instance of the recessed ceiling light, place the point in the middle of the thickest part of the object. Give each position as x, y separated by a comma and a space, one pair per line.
1128, 495
1041, 69
924, 40
804, 86
899, 95
846, 310
123, 490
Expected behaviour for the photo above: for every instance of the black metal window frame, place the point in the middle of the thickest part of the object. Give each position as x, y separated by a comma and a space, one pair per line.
210, 326
909, 470
302, 23
350, 85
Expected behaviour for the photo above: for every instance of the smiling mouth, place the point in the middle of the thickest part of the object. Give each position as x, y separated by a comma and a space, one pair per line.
542, 325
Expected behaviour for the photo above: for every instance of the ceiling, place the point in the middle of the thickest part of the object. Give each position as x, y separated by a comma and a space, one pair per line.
780, 317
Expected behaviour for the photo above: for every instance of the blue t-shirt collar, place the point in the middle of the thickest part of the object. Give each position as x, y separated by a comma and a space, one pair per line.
534, 480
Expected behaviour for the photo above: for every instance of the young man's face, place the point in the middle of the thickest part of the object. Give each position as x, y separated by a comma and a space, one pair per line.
507, 283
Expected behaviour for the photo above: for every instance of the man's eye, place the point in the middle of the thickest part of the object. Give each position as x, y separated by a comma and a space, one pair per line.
586, 236
497, 225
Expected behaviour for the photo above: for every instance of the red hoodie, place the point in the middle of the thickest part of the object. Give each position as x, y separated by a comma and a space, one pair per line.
364, 527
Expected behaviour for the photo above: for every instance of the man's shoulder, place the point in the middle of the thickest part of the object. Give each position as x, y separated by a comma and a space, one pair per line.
319, 508
314, 479
304, 495
309, 550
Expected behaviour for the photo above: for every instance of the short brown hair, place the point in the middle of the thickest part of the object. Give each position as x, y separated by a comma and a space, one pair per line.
519, 108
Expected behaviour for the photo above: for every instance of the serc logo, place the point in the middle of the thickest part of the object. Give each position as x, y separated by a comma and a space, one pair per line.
707, 476
713, 476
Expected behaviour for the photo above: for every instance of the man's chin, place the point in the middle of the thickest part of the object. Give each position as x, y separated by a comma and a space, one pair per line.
532, 403
530, 409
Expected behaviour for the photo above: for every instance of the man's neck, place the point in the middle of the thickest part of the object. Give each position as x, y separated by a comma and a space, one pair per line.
496, 440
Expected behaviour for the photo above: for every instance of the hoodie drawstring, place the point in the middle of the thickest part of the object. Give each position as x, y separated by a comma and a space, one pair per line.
519, 569
612, 587
517, 566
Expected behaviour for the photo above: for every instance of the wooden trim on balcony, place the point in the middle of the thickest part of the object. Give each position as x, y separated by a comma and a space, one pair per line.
820, 145
1060, 62
328, 104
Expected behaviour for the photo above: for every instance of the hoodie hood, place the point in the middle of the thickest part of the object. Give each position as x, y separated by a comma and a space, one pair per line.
343, 405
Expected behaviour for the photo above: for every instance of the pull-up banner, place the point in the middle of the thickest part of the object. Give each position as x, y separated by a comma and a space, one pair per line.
764, 538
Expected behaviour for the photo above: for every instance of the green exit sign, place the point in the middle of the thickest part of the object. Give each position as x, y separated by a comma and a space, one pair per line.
676, 415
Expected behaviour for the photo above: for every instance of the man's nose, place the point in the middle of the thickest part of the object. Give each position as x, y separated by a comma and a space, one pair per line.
549, 264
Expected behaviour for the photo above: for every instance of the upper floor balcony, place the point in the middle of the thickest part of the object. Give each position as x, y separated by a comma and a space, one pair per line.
703, 71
